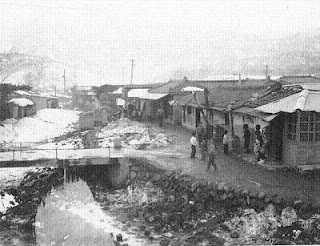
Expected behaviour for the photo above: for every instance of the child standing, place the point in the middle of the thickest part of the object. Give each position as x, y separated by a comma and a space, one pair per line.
225, 142
212, 150
194, 144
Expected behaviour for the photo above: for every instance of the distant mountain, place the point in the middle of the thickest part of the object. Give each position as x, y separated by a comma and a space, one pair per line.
291, 55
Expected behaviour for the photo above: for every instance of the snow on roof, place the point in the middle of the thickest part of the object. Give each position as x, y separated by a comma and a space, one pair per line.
306, 100
22, 102
118, 91
152, 96
20, 92
191, 88
137, 92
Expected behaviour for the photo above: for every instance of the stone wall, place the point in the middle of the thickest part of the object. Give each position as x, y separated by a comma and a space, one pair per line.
203, 193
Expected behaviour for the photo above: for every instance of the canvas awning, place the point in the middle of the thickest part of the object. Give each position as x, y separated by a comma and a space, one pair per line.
255, 113
306, 100
152, 96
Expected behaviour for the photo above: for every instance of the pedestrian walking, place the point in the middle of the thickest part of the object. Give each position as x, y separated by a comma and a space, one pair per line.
246, 136
194, 144
204, 149
200, 131
211, 155
225, 142
160, 115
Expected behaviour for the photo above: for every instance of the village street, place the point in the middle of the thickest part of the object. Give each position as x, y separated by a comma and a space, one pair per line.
236, 171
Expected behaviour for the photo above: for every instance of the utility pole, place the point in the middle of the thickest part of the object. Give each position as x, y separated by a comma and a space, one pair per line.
123, 75
64, 81
132, 61
266, 70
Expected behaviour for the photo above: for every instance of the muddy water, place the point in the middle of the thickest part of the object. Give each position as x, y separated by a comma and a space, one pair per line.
70, 216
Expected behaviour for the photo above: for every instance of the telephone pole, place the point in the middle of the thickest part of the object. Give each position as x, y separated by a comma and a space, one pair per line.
64, 81
132, 61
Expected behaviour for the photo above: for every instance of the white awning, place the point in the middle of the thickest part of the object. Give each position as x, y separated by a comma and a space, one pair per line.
152, 96
22, 102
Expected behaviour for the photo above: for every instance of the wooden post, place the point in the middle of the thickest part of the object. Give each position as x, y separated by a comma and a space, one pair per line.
57, 154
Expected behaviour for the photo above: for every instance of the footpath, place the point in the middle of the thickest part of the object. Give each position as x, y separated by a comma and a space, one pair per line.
234, 170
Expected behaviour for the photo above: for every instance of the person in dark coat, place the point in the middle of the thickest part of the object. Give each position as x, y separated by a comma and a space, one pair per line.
160, 115
246, 136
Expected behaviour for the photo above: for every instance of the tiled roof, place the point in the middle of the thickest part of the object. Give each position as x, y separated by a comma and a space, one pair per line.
222, 97
271, 94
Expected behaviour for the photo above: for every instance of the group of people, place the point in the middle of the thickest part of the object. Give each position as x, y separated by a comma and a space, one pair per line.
208, 148
260, 142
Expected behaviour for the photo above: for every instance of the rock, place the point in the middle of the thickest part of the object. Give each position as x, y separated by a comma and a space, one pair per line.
194, 186
212, 185
262, 195
221, 186
234, 234
164, 242
151, 219
142, 227
147, 232
227, 188
168, 234
288, 216
119, 237
245, 192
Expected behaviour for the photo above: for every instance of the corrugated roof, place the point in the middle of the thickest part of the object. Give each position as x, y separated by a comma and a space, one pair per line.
22, 102
272, 93
306, 100
152, 96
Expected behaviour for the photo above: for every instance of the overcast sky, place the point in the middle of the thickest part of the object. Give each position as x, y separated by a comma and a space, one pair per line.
102, 37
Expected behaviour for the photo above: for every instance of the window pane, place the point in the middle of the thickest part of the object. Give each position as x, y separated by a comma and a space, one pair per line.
312, 117
311, 126
310, 137
303, 137
303, 127
304, 116
317, 116
317, 126
293, 136
317, 136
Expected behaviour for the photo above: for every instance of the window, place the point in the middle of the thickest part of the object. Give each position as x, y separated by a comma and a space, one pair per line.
309, 126
292, 126
189, 110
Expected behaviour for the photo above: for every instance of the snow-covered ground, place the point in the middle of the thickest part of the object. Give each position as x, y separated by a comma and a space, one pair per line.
45, 125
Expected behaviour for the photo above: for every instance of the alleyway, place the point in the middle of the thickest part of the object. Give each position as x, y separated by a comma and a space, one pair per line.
237, 172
